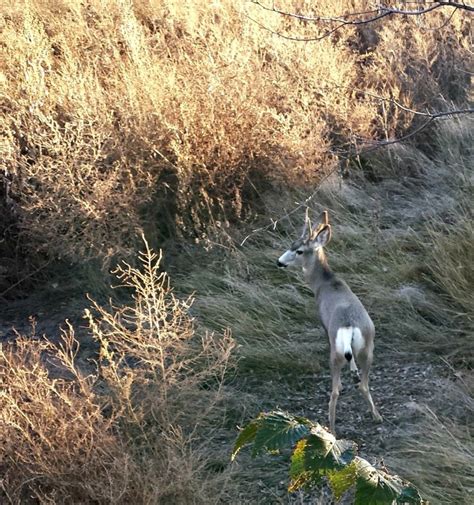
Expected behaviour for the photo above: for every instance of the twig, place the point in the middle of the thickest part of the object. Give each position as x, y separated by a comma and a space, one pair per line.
342, 23
302, 17
23, 279
448, 20
378, 145
394, 102
295, 39
432, 117
376, 14
274, 222
435, 5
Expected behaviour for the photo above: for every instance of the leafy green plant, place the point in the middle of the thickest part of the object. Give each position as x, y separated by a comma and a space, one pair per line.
317, 455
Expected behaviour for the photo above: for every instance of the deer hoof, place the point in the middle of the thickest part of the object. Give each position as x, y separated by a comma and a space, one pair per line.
355, 378
377, 417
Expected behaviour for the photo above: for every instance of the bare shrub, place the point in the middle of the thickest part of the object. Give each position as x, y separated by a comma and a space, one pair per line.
56, 443
149, 352
127, 433
174, 115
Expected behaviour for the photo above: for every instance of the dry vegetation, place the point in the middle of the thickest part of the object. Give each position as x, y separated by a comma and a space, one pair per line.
125, 432
171, 116
177, 119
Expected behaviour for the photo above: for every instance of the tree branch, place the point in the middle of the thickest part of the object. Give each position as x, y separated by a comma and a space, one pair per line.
342, 21
436, 5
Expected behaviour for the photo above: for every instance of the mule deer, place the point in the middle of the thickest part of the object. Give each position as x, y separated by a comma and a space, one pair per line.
350, 330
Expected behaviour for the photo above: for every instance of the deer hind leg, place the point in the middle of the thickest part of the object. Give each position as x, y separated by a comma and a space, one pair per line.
336, 364
365, 360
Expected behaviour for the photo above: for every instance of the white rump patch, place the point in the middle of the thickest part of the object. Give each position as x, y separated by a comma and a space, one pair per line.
349, 339
344, 340
358, 342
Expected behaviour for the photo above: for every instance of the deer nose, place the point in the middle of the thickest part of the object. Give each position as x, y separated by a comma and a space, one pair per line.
280, 264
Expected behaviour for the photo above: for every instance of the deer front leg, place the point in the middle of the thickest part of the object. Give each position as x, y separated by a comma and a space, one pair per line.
336, 365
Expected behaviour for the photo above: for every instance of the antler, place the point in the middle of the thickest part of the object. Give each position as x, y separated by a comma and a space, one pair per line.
307, 224
324, 218
322, 222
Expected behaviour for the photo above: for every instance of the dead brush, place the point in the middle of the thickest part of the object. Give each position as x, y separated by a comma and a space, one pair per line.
57, 446
184, 111
126, 434
149, 351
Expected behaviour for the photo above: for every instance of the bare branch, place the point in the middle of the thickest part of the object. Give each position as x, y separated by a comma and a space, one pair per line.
342, 21
448, 20
289, 37
434, 6
303, 204
432, 117
416, 12
301, 17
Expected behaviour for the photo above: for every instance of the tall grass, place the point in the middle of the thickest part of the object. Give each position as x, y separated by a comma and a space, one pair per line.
447, 438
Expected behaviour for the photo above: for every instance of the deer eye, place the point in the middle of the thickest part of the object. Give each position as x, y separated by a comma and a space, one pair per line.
299, 252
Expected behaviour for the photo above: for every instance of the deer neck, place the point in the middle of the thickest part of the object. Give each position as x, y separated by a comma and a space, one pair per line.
316, 271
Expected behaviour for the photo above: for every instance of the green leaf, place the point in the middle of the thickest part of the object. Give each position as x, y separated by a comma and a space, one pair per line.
410, 495
376, 487
318, 455
297, 466
305, 480
246, 436
321, 451
299, 474
342, 480
374, 491
272, 432
277, 430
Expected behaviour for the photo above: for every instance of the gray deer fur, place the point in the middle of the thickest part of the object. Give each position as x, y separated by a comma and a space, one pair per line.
350, 330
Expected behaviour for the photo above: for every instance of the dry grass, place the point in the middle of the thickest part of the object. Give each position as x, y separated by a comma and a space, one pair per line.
447, 439
269, 316
128, 432
452, 263
402, 243
147, 417
167, 116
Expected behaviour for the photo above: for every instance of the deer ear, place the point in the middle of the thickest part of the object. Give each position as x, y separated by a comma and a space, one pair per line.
323, 235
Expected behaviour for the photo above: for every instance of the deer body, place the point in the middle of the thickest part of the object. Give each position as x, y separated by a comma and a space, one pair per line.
349, 327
